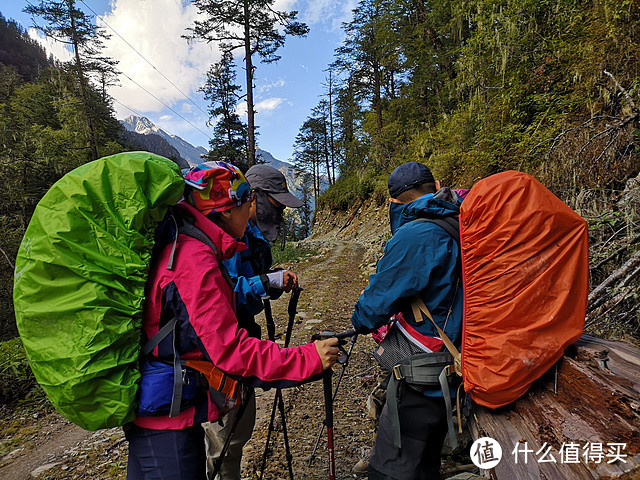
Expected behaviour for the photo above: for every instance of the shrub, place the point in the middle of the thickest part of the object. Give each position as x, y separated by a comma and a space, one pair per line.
16, 379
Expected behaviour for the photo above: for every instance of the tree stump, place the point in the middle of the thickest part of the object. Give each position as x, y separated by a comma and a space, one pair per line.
580, 421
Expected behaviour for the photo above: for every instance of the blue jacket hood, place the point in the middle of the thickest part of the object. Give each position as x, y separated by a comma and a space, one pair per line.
429, 205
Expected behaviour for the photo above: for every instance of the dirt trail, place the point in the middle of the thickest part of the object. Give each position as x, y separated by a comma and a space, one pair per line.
55, 440
51, 447
332, 284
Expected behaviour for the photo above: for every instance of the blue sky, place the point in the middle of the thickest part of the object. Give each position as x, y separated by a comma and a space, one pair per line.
285, 91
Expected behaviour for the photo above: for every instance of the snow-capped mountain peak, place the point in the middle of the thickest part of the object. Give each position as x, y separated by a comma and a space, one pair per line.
144, 126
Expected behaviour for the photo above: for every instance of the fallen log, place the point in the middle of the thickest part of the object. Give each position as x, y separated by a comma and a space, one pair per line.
580, 421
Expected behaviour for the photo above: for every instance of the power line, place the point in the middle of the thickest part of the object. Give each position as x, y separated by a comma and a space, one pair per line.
127, 107
145, 59
178, 114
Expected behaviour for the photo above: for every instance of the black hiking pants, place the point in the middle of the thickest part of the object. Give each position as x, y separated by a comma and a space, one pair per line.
423, 426
166, 454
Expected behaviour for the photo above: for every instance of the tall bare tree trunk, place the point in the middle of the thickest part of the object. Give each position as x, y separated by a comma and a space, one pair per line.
332, 176
377, 94
326, 150
251, 138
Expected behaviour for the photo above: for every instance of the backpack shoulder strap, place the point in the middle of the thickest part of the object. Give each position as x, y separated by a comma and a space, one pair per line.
449, 224
190, 230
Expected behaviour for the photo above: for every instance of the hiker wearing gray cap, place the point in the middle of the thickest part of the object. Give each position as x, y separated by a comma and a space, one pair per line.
272, 196
254, 281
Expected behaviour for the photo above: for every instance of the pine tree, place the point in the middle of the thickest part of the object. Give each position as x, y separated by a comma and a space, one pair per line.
253, 26
71, 26
229, 142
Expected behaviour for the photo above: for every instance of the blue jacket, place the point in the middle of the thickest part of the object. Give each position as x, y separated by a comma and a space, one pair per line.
420, 258
247, 269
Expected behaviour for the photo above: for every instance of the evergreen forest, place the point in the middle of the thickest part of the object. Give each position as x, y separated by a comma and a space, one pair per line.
472, 88
53, 118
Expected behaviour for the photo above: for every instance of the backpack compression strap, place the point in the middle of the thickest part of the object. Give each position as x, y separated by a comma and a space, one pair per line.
449, 224
419, 308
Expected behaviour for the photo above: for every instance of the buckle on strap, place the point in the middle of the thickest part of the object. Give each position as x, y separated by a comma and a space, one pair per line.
397, 372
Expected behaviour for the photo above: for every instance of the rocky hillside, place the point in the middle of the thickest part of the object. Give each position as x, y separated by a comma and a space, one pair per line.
366, 223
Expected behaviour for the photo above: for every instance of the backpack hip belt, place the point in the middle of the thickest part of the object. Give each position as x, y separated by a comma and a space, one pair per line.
425, 370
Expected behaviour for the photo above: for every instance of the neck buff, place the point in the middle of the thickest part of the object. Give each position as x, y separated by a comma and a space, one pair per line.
269, 218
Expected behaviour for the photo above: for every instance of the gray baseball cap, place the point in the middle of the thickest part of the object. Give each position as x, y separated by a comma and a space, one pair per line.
271, 181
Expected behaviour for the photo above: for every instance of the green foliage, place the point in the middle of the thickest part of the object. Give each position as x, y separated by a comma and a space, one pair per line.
25, 54
350, 190
16, 380
474, 88
43, 134
291, 252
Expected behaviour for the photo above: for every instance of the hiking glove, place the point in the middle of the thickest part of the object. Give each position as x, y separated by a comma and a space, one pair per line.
276, 279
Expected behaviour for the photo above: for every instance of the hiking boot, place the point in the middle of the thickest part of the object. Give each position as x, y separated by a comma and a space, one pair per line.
361, 467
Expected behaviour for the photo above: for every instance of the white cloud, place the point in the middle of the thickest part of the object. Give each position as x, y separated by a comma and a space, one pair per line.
269, 104
58, 49
318, 10
166, 118
241, 110
327, 12
155, 29
284, 5
263, 107
270, 86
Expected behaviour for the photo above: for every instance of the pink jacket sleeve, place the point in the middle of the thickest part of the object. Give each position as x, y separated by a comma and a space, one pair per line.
207, 296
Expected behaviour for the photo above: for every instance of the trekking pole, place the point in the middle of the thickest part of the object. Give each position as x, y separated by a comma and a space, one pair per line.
271, 326
329, 395
312, 457
328, 420
278, 401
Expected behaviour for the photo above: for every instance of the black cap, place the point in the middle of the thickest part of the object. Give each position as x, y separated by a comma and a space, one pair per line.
407, 176
271, 181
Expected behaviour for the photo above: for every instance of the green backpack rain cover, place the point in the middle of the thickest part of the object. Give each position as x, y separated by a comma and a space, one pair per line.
80, 278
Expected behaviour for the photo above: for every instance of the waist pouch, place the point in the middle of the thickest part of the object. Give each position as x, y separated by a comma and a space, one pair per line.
395, 348
225, 392
156, 388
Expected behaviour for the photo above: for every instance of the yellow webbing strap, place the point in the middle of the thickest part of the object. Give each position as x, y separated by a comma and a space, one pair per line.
419, 306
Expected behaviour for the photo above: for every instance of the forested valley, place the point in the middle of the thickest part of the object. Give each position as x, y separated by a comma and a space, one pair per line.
469, 88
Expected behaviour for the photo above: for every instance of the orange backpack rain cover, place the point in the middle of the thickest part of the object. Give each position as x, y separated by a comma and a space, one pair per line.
526, 281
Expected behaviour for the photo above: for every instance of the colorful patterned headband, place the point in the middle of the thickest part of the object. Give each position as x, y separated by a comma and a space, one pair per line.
216, 187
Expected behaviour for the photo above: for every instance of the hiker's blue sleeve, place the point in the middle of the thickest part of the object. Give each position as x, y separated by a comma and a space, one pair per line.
249, 293
417, 260
249, 288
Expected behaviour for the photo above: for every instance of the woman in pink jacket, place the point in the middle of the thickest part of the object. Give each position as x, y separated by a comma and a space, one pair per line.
190, 296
